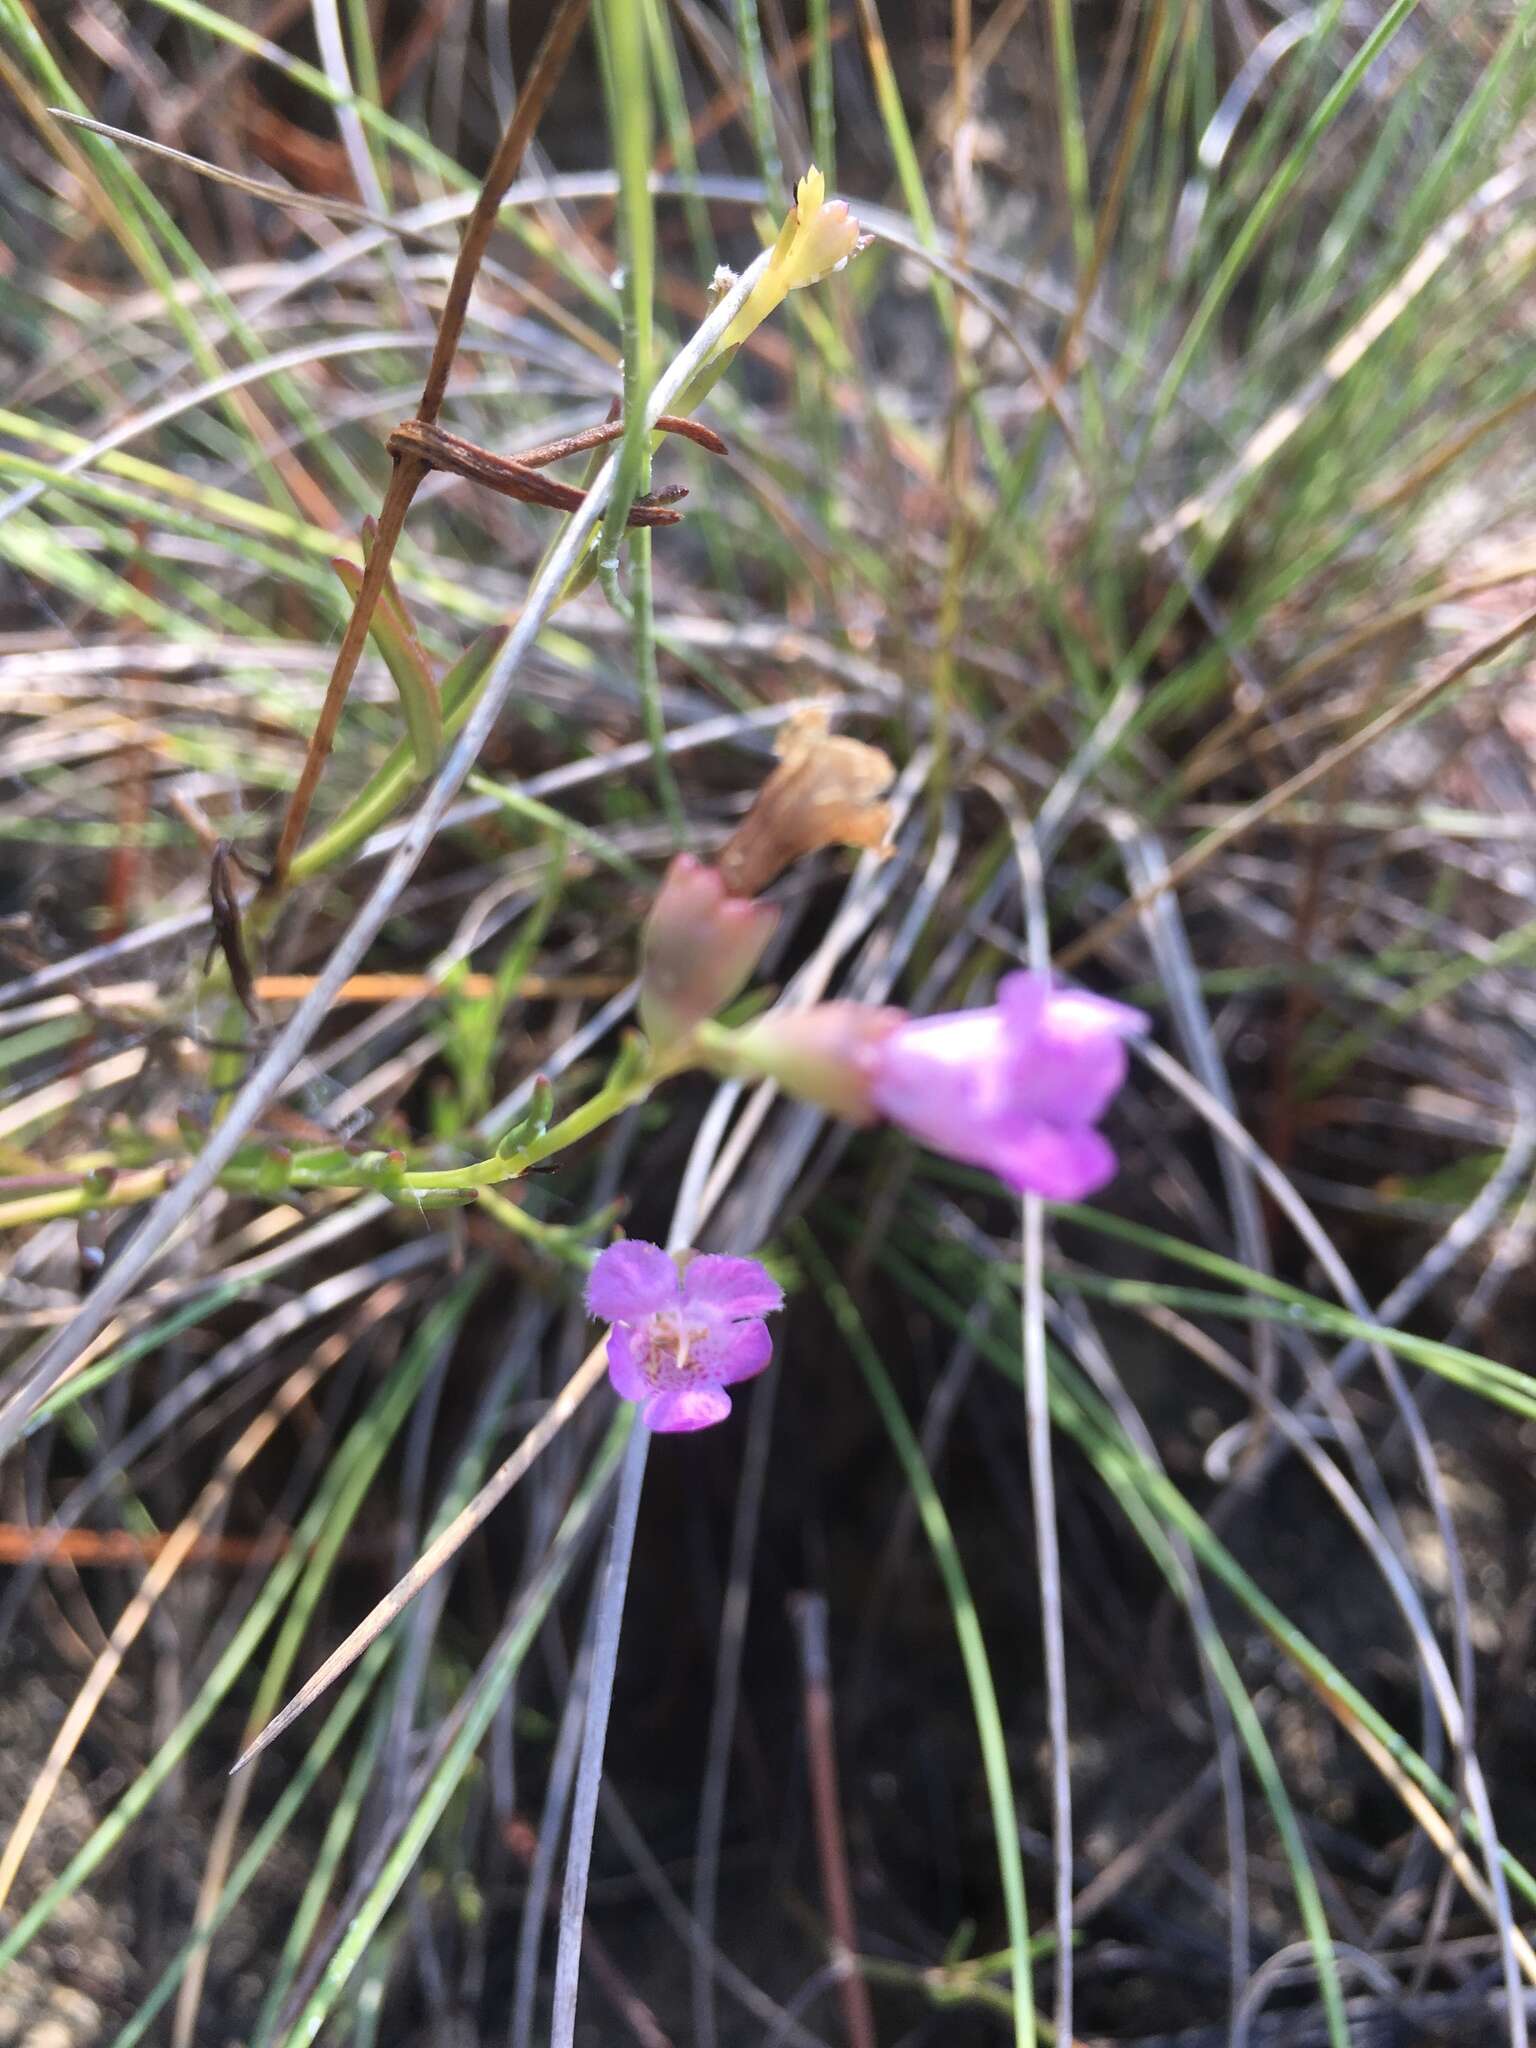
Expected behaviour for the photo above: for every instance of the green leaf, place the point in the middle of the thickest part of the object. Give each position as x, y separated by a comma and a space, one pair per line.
404, 656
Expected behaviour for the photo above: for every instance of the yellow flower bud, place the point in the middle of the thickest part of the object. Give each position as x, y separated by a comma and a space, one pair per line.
818, 237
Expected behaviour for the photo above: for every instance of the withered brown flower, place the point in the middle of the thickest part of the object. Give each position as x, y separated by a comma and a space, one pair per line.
823, 793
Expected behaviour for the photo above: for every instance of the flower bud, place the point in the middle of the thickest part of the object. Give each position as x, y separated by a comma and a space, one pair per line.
818, 237
698, 949
827, 1054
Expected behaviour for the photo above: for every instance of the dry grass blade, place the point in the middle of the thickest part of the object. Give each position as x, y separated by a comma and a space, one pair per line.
1411, 705
177, 1549
292, 197
565, 1404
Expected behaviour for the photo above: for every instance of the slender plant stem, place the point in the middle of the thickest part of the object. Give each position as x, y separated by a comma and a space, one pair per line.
404, 479
605, 1657
627, 76
542, 1863
1042, 1486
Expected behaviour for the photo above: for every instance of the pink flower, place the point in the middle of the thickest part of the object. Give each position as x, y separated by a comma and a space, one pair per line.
698, 949
680, 1338
1016, 1088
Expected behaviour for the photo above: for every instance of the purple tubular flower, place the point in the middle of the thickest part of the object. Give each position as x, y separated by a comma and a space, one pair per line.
1016, 1088
680, 1338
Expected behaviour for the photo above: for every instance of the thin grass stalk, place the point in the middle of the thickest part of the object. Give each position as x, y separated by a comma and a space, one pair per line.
723, 1705
546, 1855
808, 1611
754, 68
1042, 1471
627, 81
605, 1657
823, 100
1042, 1486
326, 17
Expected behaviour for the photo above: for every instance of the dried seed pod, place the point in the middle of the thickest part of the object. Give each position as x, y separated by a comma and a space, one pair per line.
823, 793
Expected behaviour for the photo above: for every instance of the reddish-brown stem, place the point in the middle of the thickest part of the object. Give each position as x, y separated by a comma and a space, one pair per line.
415, 441
126, 1547
548, 63
613, 430
809, 1613
397, 501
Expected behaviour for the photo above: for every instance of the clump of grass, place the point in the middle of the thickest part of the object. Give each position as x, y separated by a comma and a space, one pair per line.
1148, 492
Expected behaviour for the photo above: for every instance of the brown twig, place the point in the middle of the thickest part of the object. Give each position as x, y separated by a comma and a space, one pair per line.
612, 429
413, 441
809, 1614
548, 63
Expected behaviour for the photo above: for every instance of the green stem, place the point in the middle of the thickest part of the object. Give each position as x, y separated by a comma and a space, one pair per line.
600, 1109
274, 1174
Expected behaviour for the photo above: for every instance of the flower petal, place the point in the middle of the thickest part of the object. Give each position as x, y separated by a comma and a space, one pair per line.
1065, 1059
630, 1281
735, 1351
733, 1287
1068, 1081
624, 1374
1022, 998
933, 1075
1078, 1010
1063, 1166
686, 1408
